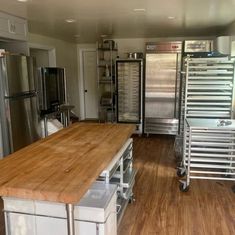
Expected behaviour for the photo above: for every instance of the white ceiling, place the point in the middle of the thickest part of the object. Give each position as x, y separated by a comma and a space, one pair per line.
117, 19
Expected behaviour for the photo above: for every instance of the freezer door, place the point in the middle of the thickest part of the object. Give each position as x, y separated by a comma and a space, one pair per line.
129, 74
162, 93
18, 74
23, 121
161, 82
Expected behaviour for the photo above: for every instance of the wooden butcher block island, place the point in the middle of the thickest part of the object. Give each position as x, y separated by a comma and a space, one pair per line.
62, 168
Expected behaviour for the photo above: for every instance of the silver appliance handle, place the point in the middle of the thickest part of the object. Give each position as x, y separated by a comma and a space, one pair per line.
176, 83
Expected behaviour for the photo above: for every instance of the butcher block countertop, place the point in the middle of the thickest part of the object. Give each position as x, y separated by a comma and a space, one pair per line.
62, 167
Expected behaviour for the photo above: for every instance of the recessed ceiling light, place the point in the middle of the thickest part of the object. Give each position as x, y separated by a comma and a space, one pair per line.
139, 10
171, 17
70, 20
22, 0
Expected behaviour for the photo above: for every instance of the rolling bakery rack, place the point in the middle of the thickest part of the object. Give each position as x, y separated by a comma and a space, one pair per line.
209, 151
206, 91
207, 94
209, 88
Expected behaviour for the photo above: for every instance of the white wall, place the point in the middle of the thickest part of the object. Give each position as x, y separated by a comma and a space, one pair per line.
66, 57
42, 57
231, 32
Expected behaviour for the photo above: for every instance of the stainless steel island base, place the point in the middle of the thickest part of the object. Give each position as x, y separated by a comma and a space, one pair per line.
95, 214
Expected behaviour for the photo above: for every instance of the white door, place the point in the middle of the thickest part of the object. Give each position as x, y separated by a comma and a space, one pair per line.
90, 84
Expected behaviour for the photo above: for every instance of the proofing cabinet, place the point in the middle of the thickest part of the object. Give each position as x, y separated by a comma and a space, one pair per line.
129, 82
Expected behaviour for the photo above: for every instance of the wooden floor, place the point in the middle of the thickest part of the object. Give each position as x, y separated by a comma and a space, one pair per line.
161, 209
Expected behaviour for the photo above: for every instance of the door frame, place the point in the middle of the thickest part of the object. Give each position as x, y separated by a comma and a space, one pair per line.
51, 52
81, 81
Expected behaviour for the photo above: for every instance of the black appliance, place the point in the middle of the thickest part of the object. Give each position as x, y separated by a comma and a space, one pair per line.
52, 89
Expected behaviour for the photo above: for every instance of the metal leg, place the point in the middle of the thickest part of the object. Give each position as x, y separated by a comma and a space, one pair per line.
7, 223
189, 156
107, 178
45, 127
68, 117
121, 176
70, 219
62, 118
65, 118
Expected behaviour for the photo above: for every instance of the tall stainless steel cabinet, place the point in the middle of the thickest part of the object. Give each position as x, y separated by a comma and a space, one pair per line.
19, 115
129, 82
162, 85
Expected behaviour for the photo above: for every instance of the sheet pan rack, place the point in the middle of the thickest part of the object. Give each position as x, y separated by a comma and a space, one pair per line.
207, 91
209, 151
209, 88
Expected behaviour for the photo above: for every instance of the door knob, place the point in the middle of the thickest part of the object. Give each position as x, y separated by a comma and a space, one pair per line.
85, 90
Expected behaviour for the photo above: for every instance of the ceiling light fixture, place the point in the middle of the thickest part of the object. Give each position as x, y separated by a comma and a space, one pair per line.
70, 20
171, 17
139, 10
22, 0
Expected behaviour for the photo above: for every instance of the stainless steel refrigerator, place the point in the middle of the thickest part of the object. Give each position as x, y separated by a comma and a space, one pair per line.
162, 86
129, 82
20, 122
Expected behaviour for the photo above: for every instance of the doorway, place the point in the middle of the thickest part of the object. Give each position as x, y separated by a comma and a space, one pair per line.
45, 55
89, 88
41, 56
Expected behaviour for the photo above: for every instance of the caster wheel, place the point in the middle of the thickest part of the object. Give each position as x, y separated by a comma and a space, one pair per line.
183, 187
181, 172
233, 188
131, 199
180, 164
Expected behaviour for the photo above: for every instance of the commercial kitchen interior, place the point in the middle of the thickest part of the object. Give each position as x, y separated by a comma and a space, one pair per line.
67, 34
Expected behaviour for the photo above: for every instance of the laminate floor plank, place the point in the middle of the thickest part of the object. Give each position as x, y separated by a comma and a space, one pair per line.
161, 209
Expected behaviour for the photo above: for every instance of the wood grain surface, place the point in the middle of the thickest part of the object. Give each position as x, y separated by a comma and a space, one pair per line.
161, 209
62, 167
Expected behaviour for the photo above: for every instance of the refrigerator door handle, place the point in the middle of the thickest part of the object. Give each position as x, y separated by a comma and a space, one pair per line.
23, 95
176, 84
